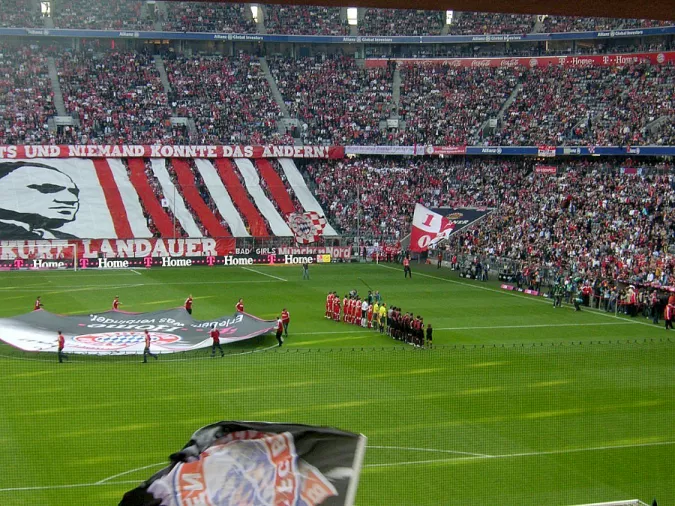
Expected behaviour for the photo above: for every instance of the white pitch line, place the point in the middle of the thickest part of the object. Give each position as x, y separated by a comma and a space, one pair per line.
432, 450
131, 471
263, 273
524, 454
135, 272
132, 285
597, 312
545, 325
472, 456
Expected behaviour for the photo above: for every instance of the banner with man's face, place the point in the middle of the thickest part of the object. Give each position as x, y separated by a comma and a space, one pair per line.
53, 199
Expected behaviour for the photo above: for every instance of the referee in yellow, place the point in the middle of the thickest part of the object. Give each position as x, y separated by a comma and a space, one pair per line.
383, 317
376, 315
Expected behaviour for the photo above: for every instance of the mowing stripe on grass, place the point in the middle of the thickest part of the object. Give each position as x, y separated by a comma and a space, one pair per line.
263, 273
518, 455
470, 457
80, 288
598, 312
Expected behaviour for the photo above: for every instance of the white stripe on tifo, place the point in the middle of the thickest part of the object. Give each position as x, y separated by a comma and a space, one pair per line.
174, 198
302, 192
263, 273
132, 206
252, 181
477, 456
517, 455
221, 197
597, 312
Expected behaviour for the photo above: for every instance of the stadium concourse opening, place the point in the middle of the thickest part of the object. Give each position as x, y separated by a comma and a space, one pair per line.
490, 199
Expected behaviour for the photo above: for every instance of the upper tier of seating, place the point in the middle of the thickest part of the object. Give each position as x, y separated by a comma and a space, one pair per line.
294, 20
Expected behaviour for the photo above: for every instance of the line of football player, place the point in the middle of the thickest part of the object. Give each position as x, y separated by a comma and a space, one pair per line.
372, 313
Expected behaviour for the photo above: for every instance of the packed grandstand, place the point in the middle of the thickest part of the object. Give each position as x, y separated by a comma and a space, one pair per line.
569, 136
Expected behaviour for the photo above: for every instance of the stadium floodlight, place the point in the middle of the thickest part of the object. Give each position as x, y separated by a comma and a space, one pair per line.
628, 502
352, 16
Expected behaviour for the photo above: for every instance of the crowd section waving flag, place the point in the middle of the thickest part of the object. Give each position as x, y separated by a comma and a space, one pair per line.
258, 464
430, 226
118, 332
307, 227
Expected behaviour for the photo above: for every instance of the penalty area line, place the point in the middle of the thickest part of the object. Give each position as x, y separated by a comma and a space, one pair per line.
263, 273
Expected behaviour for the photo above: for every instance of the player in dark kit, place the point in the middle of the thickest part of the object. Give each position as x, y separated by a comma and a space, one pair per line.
215, 335
188, 304
116, 303
430, 335
38, 304
61, 344
280, 330
146, 350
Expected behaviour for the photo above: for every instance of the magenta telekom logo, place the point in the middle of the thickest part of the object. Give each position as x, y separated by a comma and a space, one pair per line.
211, 260
18, 263
84, 263
270, 259
147, 261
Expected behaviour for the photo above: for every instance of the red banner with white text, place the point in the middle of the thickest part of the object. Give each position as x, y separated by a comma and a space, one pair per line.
138, 151
606, 60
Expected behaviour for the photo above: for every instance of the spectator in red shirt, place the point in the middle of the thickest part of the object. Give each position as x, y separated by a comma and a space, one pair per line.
188, 304
61, 344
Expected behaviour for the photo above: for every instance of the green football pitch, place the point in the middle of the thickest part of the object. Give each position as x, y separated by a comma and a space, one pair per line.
518, 403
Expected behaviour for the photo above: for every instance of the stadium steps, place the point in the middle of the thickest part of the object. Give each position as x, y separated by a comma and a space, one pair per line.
538, 25
56, 87
396, 90
159, 64
262, 16
658, 122
446, 29
273, 87
162, 13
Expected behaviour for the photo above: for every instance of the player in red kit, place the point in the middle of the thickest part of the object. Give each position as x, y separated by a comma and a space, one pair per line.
329, 304
188, 304
38, 304
285, 319
215, 336
336, 308
146, 350
370, 316
61, 344
345, 301
280, 330
240, 306
116, 303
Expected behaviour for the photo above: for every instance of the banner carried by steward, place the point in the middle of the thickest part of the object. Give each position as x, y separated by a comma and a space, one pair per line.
433, 225
118, 332
258, 463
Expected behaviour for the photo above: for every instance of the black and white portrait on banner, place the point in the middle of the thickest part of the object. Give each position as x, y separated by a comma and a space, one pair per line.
52, 199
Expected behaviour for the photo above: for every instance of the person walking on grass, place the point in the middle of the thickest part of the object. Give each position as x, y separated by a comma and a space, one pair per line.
285, 320
215, 336
305, 270
61, 343
146, 350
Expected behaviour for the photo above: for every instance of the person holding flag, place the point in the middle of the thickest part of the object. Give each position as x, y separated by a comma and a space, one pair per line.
188, 304
116, 303
280, 330
38, 304
406, 267
215, 336
61, 343
240, 306
285, 319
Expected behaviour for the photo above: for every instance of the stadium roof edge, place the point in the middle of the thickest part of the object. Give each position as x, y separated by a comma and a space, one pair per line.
654, 9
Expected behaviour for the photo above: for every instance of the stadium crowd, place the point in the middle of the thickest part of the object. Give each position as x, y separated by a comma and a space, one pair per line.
100, 15
337, 101
304, 20
467, 23
19, 14
388, 22
229, 99
117, 97
26, 101
209, 17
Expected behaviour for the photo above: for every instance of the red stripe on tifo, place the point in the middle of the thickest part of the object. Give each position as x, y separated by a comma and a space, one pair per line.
147, 196
186, 179
239, 194
113, 198
276, 186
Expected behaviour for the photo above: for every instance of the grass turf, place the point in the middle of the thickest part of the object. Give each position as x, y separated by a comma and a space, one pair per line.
519, 404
